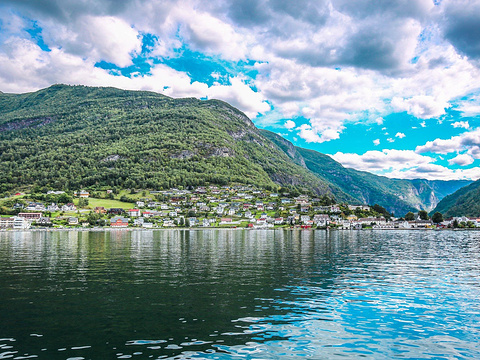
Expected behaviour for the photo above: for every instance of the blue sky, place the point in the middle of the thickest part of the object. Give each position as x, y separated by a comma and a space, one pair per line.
391, 88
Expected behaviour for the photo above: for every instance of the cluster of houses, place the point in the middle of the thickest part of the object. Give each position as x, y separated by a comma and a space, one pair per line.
213, 206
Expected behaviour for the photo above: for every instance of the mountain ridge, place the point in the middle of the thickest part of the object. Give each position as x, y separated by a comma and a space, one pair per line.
78, 136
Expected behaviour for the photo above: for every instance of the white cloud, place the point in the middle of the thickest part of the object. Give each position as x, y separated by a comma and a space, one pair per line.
403, 164
462, 160
290, 124
376, 142
461, 124
383, 160
400, 135
391, 140
467, 141
333, 61
421, 106
309, 135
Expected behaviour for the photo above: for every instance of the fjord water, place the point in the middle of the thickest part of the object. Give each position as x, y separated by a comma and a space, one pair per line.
228, 294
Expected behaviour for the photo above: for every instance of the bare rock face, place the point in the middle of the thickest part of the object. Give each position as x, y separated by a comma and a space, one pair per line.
183, 155
112, 158
26, 123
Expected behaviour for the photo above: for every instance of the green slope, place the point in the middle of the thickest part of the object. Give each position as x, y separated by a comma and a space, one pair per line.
396, 195
70, 137
463, 202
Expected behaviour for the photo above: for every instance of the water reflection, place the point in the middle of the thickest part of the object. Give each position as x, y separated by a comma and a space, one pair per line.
245, 294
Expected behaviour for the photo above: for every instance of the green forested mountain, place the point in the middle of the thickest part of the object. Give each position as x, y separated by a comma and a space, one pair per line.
463, 202
397, 195
70, 137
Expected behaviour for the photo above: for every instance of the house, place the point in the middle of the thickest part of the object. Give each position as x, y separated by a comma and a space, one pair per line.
335, 209
35, 207
119, 222
72, 221
138, 221
134, 212
359, 207
100, 210
321, 220
168, 223
225, 221
84, 194
20, 223
69, 207
30, 216
6, 223
205, 223
140, 204
115, 211
53, 207
304, 218
279, 221
147, 225
44, 221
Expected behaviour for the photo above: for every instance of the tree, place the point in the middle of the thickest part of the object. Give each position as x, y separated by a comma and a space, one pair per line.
437, 218
423, 215
82, 202
410, 216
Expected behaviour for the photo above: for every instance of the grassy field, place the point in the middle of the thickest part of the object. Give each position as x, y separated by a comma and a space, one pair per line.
107, 203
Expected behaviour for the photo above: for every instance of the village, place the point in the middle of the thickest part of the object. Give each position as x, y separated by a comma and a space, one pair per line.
211, 207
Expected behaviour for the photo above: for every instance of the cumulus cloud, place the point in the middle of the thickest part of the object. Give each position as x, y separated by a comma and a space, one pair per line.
421, 106
400, 135
462, 160
289, 124
469, 141
334, 62
376, 142
382, 160
460, 25
461, 124
405, 164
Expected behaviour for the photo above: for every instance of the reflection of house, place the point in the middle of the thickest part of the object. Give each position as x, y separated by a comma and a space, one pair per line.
72, 221
118, 221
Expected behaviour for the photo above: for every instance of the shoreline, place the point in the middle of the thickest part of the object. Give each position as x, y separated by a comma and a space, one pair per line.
106, 229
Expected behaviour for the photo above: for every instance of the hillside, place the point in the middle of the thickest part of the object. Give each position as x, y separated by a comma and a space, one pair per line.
71, 137
463, 202
397, 195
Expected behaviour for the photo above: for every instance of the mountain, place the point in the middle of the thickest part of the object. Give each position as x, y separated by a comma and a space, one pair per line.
70, 137
397, 195
463, 202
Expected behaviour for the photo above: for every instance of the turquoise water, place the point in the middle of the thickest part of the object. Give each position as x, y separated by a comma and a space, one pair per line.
234, 294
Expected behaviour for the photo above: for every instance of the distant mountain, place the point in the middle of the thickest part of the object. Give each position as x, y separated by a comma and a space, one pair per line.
463, 202
70, 137
397, 195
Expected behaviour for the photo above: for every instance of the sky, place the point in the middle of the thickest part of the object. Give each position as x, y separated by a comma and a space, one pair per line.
390, 87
